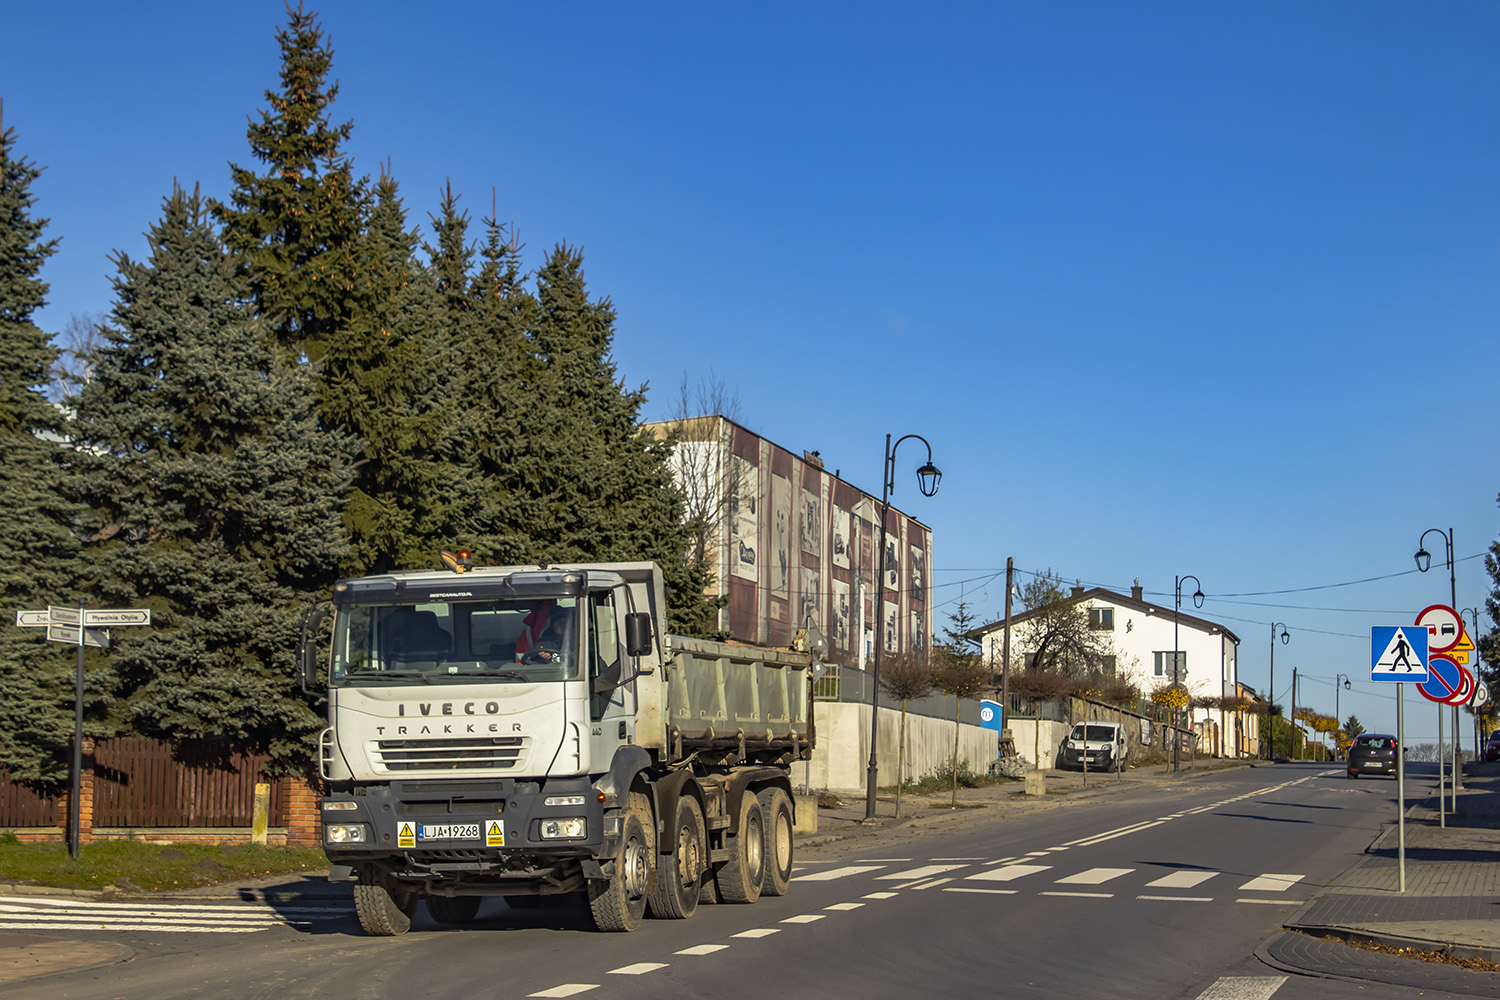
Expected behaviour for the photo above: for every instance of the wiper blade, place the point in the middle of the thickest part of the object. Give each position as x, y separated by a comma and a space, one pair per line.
390, 675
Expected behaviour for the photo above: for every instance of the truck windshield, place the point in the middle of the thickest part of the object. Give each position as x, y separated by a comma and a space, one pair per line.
1096, 733
459, 642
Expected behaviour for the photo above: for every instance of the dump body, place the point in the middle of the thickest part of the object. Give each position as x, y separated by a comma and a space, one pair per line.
493, 732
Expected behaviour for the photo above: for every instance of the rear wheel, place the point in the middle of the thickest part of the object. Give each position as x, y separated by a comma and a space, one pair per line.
776, 815
453, 909
675, 895
618, 904
741, 876
384, 909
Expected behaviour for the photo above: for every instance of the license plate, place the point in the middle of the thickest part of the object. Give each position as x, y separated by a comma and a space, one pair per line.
448, 831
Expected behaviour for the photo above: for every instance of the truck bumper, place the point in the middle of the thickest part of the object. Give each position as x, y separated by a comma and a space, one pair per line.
509, 835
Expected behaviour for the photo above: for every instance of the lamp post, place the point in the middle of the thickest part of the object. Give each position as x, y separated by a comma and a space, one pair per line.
1177, 655
928, 477
1424, 563
1271, 694
1336, 678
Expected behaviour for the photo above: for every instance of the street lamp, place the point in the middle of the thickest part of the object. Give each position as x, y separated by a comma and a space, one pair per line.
1424, 559
1177, 656
1336, 678
1271, 694
928, 478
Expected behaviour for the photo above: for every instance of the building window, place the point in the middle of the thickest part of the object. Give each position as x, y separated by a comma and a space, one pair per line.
1102, 619
1163, 660
1107, 665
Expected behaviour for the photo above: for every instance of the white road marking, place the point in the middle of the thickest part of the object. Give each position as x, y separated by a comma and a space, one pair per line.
1085, 895
116, 925
878, 895
1181, 899
1094, 876
638, 969
844, 906
929, 885
1273, 902
958, 859
992, 892
702, 949
1243, 988
803, 918
844, 872
1129, 830
758, 932
918, 874
1271, 883
567, 990
1181, 880
1008, 873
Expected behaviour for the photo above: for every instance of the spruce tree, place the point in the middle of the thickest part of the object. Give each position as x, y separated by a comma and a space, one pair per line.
38, 547
604, 489
215, 498
295, 228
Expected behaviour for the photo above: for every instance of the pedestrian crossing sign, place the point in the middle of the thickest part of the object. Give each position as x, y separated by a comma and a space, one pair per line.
1398, 653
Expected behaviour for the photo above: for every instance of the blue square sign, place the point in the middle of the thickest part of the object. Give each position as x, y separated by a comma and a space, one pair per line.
1398, 653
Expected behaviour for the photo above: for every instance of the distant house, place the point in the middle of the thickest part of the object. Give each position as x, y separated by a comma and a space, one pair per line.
1141, 634
795, 544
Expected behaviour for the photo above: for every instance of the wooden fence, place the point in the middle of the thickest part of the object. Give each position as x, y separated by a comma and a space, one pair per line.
138, 782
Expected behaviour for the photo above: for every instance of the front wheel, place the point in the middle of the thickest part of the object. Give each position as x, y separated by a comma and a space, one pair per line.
776, 814
619, 903
384, 909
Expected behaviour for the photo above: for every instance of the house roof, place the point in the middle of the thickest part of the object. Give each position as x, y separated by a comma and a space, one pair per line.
1117, 600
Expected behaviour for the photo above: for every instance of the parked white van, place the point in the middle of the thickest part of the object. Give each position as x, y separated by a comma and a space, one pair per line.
1103, 744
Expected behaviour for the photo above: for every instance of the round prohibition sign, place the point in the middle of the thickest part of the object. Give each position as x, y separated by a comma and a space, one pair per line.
1444, 627
1465, 690
1444, 679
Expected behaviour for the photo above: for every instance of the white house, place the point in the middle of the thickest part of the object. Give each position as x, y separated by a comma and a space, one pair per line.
1141, 633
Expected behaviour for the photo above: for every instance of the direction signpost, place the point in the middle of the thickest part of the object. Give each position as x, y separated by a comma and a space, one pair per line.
81, 627
1398, 653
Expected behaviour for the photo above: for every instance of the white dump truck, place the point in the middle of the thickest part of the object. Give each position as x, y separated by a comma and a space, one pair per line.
528, 731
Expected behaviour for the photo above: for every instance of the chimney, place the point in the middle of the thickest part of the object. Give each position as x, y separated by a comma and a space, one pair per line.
1135, 590
1077, 589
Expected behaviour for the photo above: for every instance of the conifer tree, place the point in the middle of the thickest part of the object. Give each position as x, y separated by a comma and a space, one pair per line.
295, 229
38, 547
215, 498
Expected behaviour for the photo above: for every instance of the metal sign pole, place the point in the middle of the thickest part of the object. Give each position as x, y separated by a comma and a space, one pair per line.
1401, 783
1442, 785
74, 806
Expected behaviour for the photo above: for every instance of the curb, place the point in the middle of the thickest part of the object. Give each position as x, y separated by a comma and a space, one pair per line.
1363, 936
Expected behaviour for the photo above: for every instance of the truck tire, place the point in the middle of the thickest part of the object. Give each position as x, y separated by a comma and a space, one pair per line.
619, 904
383, 909
675, 894
776, 815
741, 876
452, 909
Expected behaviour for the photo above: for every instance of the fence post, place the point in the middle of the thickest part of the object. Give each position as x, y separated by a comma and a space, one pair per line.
261, 818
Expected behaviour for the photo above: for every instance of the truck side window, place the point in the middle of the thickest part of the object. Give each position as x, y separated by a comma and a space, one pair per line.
604, 649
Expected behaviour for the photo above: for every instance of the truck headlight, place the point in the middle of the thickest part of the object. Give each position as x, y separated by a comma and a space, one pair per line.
573, 828
563, 800
338, 805
346, 833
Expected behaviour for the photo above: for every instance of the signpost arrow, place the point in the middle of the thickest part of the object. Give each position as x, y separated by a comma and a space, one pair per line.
98, 638
117, 616
33, 619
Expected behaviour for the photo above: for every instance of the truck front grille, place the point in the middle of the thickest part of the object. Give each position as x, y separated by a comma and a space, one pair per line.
467, 753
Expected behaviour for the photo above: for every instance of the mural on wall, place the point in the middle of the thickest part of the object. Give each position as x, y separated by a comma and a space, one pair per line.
808, 606
744, 521
890, 639
781, 537
812, 524
918, 574
918, 633
892, 562
841, 611
842, 540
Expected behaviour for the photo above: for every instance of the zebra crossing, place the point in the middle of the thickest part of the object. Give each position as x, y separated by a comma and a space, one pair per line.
42, 913
1031, 873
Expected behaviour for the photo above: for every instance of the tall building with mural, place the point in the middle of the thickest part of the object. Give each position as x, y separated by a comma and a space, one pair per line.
795, 544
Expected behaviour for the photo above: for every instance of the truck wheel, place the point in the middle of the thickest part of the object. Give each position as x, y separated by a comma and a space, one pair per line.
776, 814
675, 895
741, 876
618, 905
453, 909
383, 909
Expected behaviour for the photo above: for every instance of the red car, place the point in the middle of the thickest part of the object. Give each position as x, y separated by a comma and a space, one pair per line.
1492, 748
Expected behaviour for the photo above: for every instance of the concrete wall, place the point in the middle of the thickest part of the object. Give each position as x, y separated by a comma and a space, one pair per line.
843, 753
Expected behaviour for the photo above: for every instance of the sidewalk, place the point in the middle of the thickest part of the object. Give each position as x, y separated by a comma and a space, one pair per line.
1451, 903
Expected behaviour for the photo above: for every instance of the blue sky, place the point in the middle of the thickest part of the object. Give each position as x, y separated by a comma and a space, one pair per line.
1171, 288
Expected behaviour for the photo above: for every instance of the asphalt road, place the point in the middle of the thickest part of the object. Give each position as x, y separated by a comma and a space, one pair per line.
1161, 892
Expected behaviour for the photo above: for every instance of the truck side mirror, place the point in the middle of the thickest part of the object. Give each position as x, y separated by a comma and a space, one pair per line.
307, 647
638, 633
